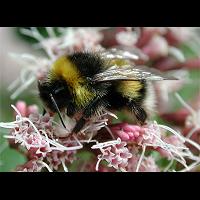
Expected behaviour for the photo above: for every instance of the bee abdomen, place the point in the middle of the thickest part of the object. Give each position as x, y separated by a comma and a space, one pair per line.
132, 90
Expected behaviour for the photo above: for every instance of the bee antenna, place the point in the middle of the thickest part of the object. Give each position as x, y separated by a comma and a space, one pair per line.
58, 111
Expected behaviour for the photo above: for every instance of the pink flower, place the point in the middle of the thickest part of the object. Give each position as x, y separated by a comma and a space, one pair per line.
35, 133
170, 63
147, 33
57, 158
30, 166
137, 134
127, 132
152, 136
90, 166
173, 140
109, 36
194, 134
193, 63
25, 135
43, 122
167, 63
147, 165
178, 117
26, 110
157, 47
127, 38
178, 35
116, 155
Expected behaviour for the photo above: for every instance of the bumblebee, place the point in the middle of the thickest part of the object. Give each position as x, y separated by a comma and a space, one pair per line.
90, 82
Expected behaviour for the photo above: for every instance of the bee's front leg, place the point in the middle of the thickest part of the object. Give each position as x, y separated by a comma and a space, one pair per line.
79, 125
88, 112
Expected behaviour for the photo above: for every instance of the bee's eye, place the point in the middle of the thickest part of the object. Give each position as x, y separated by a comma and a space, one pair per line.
58, 90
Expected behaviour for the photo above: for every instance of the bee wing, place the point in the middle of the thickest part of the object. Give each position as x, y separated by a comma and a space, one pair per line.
131, 73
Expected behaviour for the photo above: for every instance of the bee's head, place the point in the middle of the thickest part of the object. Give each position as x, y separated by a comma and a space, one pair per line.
57, 89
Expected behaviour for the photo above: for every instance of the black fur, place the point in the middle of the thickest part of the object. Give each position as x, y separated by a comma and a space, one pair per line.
88, 64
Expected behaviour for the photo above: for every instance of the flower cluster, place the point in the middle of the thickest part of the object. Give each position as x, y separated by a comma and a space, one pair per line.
35, 133
126, 147
147, 165
115, 153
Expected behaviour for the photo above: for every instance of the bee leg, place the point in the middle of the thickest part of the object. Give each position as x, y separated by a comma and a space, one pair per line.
139, 112
88, 112
79, 125
70, 110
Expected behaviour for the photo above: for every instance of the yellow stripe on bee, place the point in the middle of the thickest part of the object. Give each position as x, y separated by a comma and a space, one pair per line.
65, 69
83, 96
130, 88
